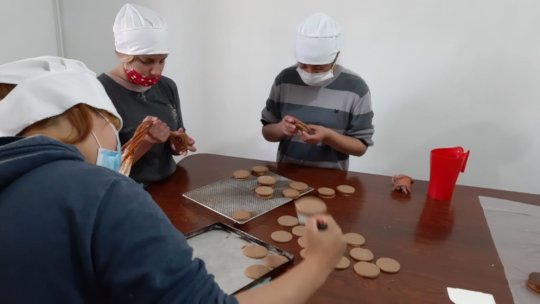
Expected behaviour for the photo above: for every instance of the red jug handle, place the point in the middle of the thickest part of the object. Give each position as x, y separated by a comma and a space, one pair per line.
465, 161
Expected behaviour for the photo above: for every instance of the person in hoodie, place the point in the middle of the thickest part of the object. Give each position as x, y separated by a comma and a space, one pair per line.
73, 230
140, 92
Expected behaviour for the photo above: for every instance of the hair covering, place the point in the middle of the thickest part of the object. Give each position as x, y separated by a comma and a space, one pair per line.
317, 40
140, 31
46, 87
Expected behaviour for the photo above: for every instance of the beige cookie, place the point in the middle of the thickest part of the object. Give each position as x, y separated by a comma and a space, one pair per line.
300, 186
241, 215
367, 270
259, 170
354, 239
302, 241
303, 253
274, 261
281, 236
361, 254
344, 263
287, 220
345, 190
264, 192
299, 230
388, 265
254, 251
241, 174
266, 180
290, 193
256, 271
326, 193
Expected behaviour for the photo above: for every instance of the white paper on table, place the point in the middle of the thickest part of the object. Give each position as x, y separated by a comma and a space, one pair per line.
515, 229
464, 296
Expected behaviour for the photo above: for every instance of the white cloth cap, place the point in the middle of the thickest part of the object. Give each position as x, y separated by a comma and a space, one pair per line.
317, 40
140, 31
46, 87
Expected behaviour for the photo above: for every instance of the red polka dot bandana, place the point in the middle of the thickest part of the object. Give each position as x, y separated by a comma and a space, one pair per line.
137, 78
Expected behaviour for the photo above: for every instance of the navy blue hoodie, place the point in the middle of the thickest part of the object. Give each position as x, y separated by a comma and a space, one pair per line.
73, 232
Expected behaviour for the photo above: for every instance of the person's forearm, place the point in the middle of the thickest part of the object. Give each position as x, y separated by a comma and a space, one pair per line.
272, 132
295, 286
345, 144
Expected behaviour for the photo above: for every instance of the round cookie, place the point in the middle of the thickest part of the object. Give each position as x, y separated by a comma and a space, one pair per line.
281, 236
534, 281
290, 193
256, 271
299, 230
309, 206
274, 261
303, 253
367, 270
345, 190
241, 215
254, 251
241, 174
302, 241
259, 170
325, 192
388, 265
300, 186
344, 263
354, 239
266, 180
361, 254
264, 192
287, 220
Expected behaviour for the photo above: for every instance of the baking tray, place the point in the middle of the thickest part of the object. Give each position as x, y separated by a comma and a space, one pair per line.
228, 195
220, 247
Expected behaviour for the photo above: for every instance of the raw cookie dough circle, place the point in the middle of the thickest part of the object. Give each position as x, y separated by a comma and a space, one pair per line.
287, 220
310, 205
345, 190
361, 254
241, 174
302, 241
290, 193
299, 230
266, 180
264, 192
388, 265
281, 236
259, 170
303, 253
256, 271
344, 263
300, 186
367, 270
325, 192
255, 251
274, 261
354, 239
241, 215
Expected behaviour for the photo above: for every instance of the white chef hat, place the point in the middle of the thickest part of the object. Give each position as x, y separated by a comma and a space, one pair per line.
140, 31
46, 87
317, 40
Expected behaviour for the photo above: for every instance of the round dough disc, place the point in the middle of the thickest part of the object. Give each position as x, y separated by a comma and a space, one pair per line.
344, 263
367, 270
281, 236
361, 254
388, 265
264, 192
256, 271
255, 251
260, 170
290, 193
266, 180
345, 190
274, 261
299, 230
326, 192
241, 174
354, 239
302, 241
287, 220
241, 215
300, 186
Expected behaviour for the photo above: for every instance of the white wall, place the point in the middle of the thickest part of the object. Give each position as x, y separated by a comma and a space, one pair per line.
442, 73
28, 29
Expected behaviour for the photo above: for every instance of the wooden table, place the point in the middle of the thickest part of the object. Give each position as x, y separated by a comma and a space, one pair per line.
439, 244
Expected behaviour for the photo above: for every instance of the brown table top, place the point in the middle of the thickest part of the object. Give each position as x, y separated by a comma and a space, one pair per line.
438, 244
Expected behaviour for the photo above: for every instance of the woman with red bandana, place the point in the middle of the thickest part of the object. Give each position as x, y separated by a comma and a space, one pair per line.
140, 93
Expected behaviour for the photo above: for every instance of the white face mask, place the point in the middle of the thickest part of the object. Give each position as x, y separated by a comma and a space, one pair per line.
111, 159
315, 79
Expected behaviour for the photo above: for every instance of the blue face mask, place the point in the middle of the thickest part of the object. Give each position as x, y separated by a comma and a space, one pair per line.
108, 158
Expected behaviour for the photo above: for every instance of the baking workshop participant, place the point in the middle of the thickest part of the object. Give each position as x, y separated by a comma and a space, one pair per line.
333, 102
141, 93
75, 231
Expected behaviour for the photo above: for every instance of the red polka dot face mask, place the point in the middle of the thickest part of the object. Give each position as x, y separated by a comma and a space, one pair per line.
137, 78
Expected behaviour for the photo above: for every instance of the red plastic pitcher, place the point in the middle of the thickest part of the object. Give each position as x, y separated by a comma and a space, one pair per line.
446, 163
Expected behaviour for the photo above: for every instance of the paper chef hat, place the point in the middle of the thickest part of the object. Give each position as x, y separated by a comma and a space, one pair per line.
46, 87
317, 40
140, 31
